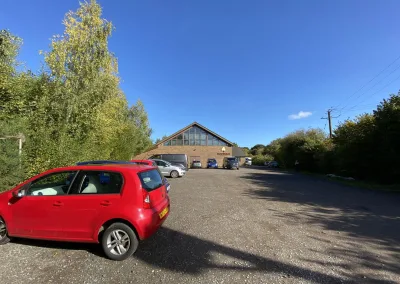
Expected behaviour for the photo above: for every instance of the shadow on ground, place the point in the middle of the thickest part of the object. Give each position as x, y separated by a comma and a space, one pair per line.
362, 216
89, 247
176, 251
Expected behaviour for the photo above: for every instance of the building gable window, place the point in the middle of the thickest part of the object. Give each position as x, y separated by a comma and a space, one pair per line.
195, 136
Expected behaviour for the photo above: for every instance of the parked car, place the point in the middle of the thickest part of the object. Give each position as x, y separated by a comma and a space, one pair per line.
248, 161
230, 163
75, 204
167, 169
153, 164
179, 160
212, 163
196, 164
145, 162
273, 164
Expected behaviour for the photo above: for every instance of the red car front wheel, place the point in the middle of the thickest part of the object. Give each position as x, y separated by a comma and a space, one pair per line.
3, 233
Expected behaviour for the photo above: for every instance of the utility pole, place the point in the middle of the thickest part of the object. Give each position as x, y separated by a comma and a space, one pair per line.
329, 118
330, 123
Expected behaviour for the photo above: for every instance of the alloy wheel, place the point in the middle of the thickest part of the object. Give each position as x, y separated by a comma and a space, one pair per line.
118, 242
3, 230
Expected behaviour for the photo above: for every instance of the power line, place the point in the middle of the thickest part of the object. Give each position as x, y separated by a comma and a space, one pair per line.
384, 87
374, 85
358, 107
377, 75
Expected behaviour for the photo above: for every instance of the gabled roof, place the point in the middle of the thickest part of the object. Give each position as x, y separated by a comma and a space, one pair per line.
200, 126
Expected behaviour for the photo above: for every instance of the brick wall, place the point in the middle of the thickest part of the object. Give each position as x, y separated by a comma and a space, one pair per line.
203, 152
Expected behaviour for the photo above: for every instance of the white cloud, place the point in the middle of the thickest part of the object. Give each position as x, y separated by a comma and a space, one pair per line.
300, 115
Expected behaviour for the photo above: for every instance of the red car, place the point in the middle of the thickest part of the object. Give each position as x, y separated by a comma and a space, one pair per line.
114, 205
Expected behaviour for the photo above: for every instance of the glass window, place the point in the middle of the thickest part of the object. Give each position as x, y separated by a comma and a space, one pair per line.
203, 142
191, 130
97, 182
150, 180
197, 136
52, 184
179, 142
168, 143
191, 136
173, 142
192, 142
197, 142
186, 142
186, 135
180, 136
161, 163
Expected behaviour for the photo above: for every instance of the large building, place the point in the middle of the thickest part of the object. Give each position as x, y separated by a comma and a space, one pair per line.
198, 143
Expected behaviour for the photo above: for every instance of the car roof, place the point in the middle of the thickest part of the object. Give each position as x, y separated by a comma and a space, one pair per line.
104, 167
103, 162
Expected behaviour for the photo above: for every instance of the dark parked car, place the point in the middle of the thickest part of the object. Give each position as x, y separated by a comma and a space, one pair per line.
212, 164
230, 163
273, 164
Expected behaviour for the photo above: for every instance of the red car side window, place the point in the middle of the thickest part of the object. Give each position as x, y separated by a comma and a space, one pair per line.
97, 182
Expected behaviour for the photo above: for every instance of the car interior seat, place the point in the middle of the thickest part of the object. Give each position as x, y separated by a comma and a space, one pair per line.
93, 186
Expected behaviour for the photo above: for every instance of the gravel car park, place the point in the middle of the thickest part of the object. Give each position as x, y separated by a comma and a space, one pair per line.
247, 226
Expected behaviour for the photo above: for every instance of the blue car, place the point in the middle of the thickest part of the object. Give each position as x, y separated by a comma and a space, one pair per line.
212, 164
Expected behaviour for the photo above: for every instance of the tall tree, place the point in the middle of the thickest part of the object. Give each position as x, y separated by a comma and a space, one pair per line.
81, 111
139, 122
11, 105
387, 139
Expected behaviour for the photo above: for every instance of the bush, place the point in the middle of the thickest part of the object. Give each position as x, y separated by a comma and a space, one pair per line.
259, 160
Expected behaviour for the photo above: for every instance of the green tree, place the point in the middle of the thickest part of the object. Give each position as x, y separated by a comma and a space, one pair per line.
387, 139
158, 140
80, 111
140, 126
354, 140
11, 119
257, 149
303, 146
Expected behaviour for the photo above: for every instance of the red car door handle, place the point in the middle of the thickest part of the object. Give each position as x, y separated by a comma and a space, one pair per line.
105, 203
58, 203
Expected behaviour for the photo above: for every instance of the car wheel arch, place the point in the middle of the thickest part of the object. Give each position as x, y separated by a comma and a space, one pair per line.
108, 223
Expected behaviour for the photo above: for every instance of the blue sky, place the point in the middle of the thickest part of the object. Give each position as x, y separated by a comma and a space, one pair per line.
240, 68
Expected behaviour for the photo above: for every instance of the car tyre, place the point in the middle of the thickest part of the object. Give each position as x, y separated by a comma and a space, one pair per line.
4, 238
119, 241
174, 174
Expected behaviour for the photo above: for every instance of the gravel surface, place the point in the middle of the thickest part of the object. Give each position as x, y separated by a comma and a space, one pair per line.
246, 226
